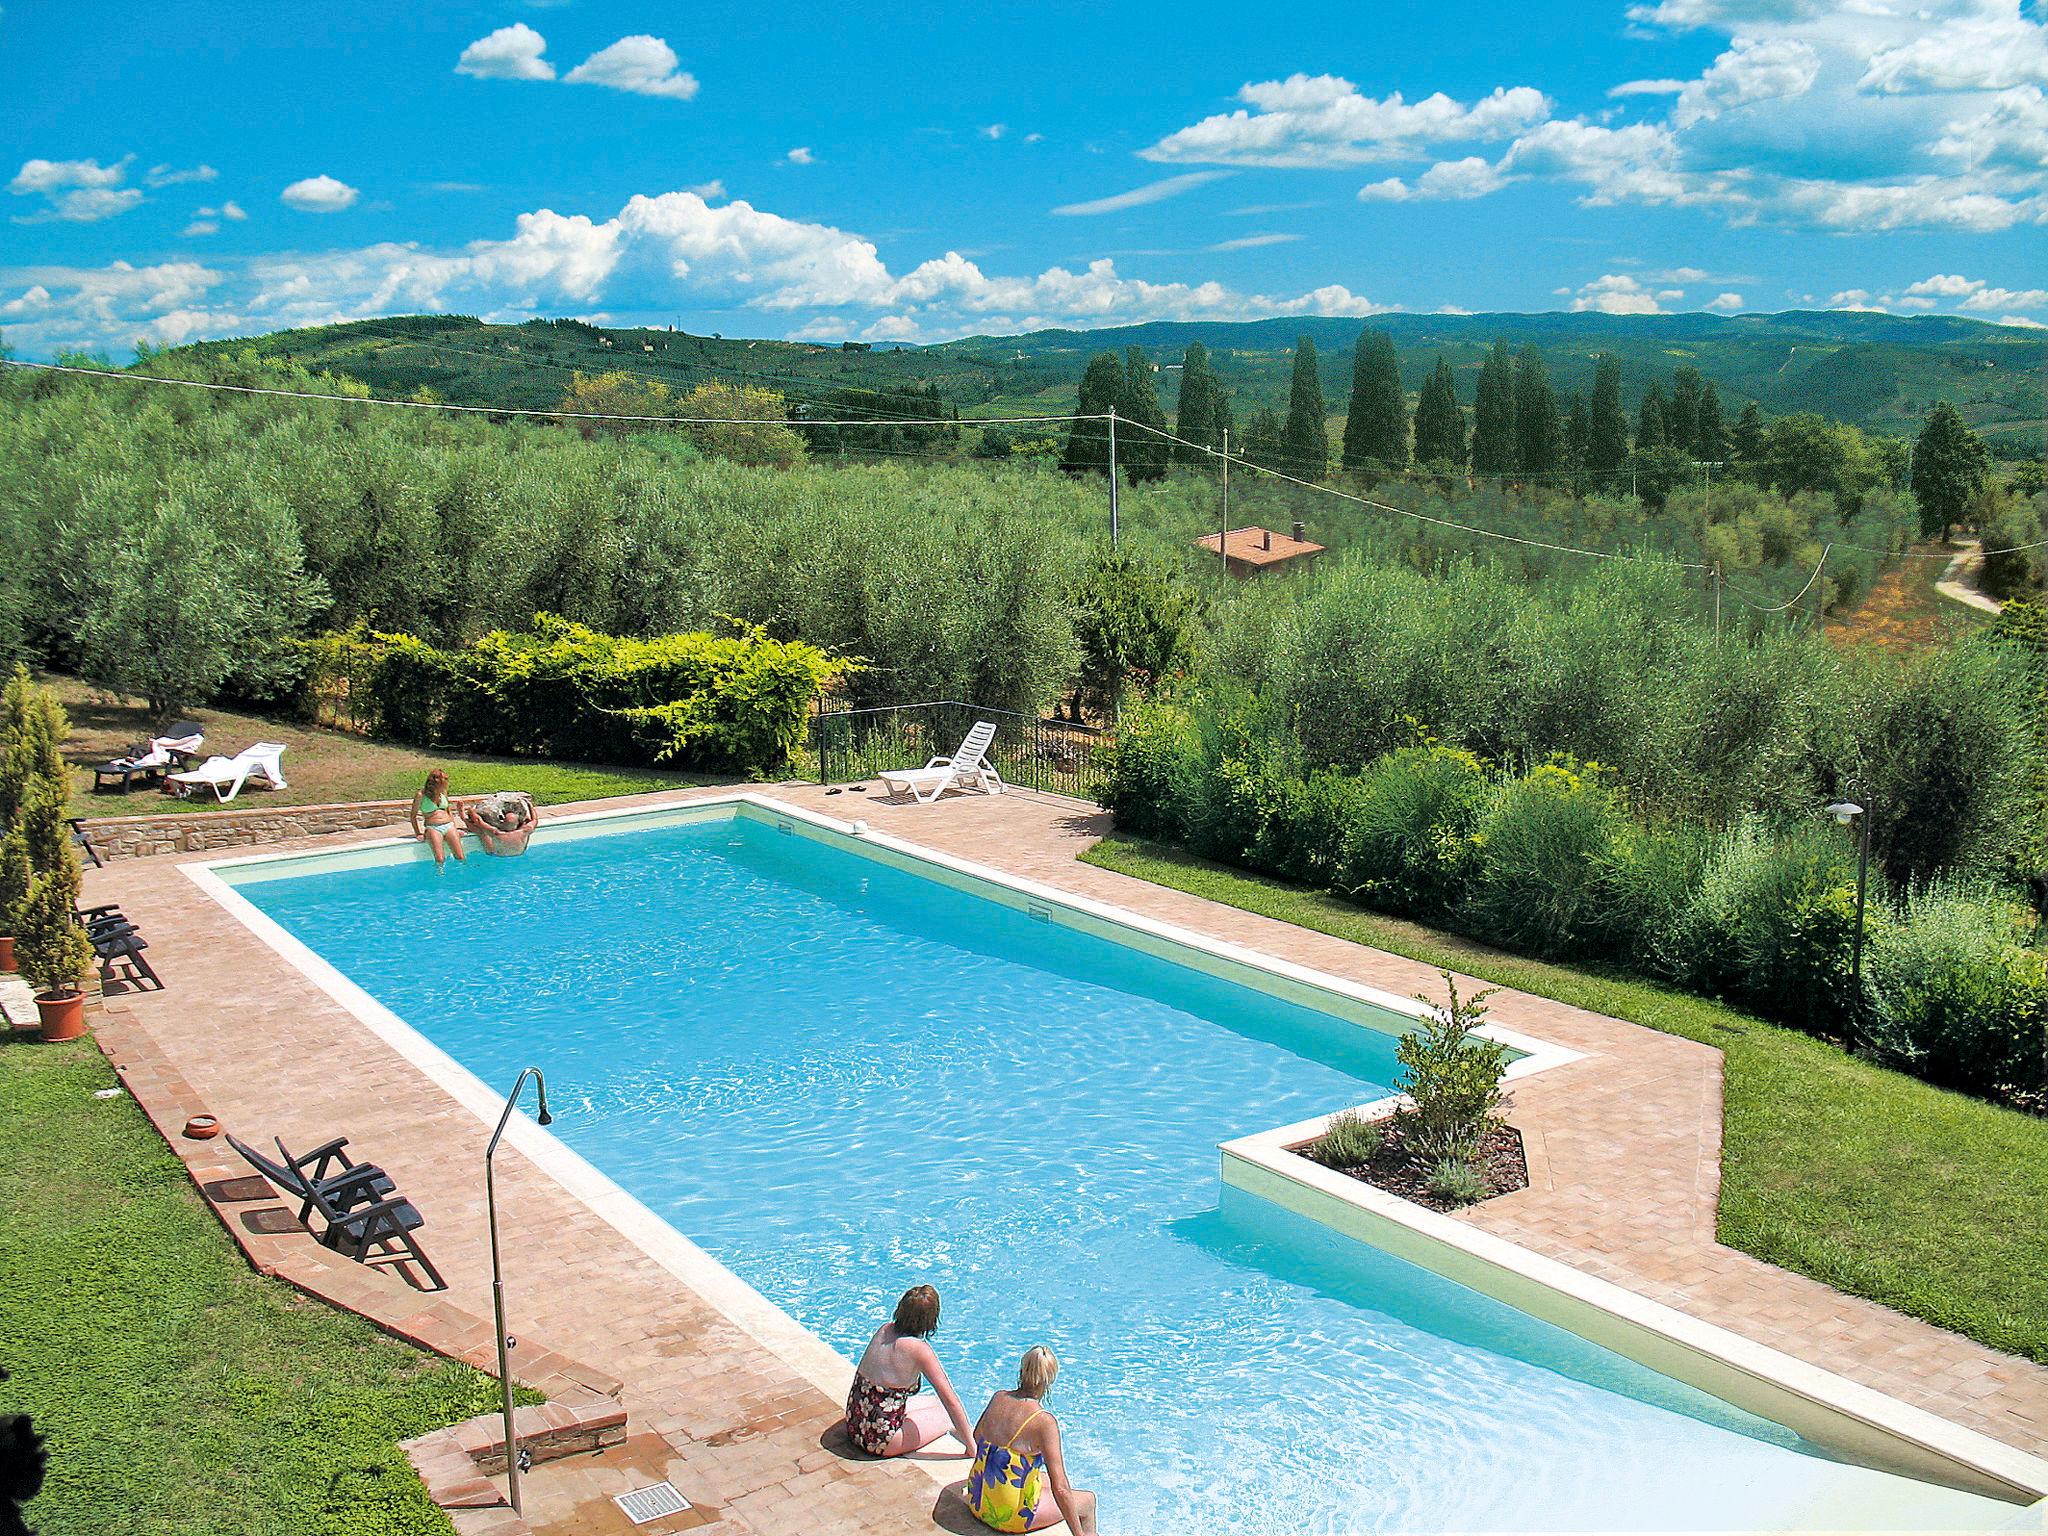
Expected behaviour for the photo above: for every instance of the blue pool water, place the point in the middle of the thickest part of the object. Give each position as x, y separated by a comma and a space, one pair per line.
841, 1078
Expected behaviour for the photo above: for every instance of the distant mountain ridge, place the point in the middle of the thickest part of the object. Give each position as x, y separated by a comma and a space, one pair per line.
1878, 371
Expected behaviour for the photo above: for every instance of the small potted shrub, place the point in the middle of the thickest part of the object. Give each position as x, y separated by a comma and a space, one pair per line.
15, 874
54, 953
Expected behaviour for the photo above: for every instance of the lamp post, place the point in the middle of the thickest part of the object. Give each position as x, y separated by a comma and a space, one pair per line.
1849, 813
498, 1273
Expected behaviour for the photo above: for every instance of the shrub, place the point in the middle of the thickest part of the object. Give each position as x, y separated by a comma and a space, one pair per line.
564, 690
1457, 1181
1247, 798
1955, 998
1409, 844
51, 950
1771, 926
1136, 623
1543, 850
1153, 769
1451, 1076
1348, 1141
32, 732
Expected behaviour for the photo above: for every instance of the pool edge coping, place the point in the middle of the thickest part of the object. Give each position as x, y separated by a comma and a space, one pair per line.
1623, 1319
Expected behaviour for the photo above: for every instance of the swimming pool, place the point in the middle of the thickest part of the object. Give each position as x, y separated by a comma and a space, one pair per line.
840, 1076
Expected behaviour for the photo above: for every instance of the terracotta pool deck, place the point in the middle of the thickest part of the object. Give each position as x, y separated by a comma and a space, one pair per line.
1624, 1153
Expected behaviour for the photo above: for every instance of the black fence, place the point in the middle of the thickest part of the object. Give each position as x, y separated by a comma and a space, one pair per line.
1029, 752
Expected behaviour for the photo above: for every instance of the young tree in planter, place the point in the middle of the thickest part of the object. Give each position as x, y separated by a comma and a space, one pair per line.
1452, 1078
51, 950
1949, 463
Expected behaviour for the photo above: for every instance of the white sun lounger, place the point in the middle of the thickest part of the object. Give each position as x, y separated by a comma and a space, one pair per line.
969, 765
225, 776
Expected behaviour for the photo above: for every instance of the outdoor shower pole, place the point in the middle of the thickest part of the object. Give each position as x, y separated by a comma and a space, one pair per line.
498, 1272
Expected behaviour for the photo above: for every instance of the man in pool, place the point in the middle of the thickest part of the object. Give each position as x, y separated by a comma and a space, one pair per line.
503, 822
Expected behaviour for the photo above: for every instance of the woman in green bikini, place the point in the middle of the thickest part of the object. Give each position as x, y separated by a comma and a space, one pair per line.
436, 819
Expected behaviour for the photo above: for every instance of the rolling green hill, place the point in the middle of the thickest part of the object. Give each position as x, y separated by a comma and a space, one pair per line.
1880, 372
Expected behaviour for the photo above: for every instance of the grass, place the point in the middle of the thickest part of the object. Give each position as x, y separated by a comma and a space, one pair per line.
321, 766
1864, 1178
179, 1390
1902, 611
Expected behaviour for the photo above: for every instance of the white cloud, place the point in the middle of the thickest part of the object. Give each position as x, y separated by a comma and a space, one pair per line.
1647, 88
318, 194
1619, 294
655, 252
2023, 320
801, 155
1390, 190
1993, 49
1751, 71
1851, 298
74, 191
1726, 302
200, 227
994, 130
1470, 177
1253, 242
54, 175
644, 65
1322, 120
171, 176
510, 53
229, 210
715, 187
1975, 293
1138, 197
1034, 138
2012, 130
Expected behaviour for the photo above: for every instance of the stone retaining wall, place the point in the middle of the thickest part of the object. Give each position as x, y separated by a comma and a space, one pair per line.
129, 837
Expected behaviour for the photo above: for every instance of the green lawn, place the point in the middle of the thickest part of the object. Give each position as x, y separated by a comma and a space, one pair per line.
1869, 1180
179, 1390
320, 766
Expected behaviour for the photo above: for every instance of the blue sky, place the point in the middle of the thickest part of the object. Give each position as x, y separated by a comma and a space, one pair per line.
205, 169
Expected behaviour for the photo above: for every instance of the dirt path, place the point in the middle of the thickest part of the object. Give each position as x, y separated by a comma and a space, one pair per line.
1959, 580
1906, 607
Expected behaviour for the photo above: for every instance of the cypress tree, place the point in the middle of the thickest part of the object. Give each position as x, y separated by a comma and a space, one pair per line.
1305, 439
1748, 442
1949, 463
1710, 433
1195, 419
1578, 429
1538, 433
1265, 439
1495, 448
1440, 420
1140, 454
1652, 428
1102, 387
1682, 415
1606, 421
1376, 426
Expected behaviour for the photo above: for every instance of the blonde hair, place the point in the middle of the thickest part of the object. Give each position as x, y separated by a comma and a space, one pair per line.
435, 776
1037, 1373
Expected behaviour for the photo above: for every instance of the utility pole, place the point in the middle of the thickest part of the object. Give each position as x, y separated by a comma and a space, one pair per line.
1223, 534
1112, 478
1717, 602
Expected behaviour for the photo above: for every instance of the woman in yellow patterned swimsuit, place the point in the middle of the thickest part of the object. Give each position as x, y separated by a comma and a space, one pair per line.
1017, 1459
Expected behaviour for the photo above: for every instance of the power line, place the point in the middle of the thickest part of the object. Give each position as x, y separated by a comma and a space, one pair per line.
1441, 522
1795, 601
507, 410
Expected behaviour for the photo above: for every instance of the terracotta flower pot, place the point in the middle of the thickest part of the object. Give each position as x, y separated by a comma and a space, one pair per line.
63, 1015
6, 954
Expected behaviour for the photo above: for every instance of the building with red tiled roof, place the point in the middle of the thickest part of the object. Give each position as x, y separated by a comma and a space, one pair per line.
1247, 551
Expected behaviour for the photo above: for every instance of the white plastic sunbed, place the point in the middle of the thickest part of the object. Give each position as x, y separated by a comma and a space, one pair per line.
969, 765
225, 776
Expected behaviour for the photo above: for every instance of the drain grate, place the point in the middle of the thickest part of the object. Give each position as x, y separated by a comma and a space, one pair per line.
651, 1503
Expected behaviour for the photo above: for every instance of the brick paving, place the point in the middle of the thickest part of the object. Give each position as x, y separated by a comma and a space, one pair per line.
1625, 1154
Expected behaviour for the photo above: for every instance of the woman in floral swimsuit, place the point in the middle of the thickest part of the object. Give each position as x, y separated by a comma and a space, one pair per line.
884, 1415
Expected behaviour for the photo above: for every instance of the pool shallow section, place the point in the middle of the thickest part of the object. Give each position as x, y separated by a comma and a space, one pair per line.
838, 1068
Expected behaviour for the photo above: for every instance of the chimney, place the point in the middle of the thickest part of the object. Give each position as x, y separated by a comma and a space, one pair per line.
1265, 538
1301, 533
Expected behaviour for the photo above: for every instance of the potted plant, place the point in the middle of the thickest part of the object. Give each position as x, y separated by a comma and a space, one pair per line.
54, 954
16, 870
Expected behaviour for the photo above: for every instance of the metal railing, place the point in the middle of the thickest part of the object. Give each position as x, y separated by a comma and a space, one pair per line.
1028, 751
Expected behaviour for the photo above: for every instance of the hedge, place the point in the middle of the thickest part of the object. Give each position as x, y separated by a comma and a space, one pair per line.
723, 702
1555, 862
